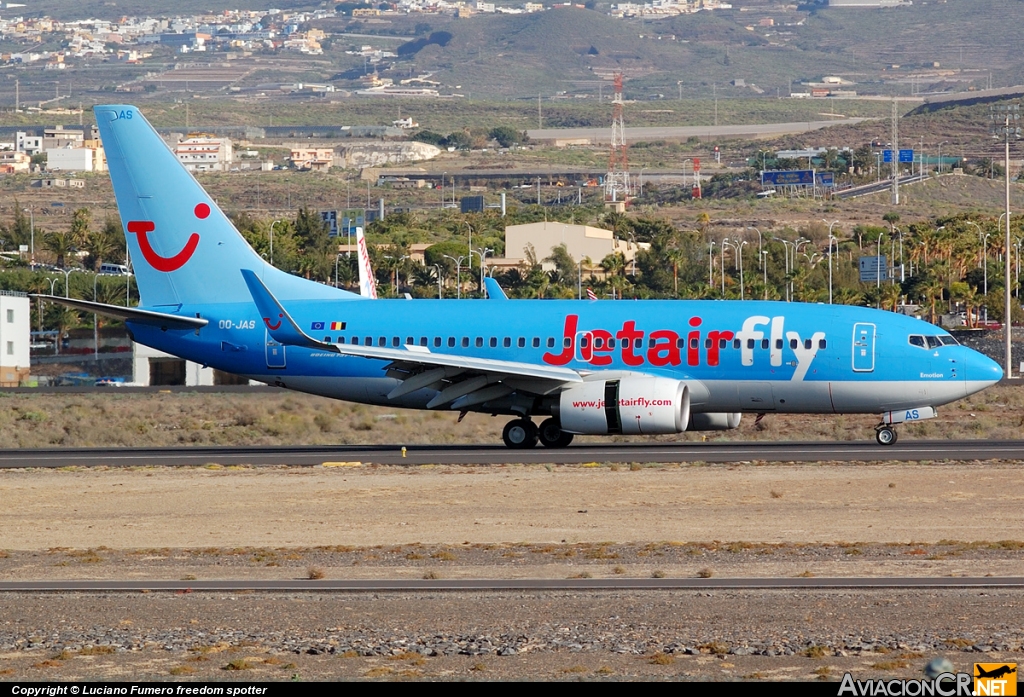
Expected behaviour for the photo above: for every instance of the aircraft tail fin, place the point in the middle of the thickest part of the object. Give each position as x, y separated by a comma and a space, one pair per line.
183, 247
367, 282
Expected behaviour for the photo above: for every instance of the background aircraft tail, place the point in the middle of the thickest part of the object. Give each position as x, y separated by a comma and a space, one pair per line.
184, 250
367, 281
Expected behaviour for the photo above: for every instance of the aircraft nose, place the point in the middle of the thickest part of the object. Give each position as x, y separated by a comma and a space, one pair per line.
981, 371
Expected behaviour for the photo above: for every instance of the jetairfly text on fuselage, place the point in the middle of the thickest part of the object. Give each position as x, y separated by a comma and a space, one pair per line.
665, 349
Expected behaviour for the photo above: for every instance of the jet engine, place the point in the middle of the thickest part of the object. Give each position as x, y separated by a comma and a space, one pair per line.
714, 421
630, 405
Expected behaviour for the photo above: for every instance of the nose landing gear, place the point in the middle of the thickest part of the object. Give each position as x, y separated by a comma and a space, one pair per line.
885, 435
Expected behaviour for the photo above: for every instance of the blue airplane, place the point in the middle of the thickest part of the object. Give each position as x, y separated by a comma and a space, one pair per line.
584, 367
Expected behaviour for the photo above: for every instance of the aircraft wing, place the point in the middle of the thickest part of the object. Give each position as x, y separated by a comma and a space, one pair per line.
463, 380
133, 314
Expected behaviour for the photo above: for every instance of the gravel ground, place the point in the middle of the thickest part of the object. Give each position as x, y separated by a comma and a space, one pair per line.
812, 519
604, 635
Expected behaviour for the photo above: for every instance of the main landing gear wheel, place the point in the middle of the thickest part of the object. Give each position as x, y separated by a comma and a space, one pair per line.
520, 434
885, 435
552, 436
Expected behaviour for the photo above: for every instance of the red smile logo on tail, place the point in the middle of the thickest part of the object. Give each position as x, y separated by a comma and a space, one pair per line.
273, 327
142, 228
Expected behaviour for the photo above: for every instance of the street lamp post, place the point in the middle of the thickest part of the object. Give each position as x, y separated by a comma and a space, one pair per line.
940, 154
785, 253
482, 254
878, 261
725, 243
764, 267
760, 245
739, 253
438, 267
831, 239
711, 258
458, 274
272, 241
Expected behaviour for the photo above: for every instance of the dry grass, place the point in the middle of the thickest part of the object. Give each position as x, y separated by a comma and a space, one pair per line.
97, 651
661, 659
890, 665
705, 573
268, 417
314, 573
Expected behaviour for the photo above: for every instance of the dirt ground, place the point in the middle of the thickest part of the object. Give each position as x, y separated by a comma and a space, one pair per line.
384, 505
509, 521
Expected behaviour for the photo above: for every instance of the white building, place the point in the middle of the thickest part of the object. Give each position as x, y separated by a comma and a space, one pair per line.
579, 240
28, 144
15, 316
202, 153
153, 367
75, 160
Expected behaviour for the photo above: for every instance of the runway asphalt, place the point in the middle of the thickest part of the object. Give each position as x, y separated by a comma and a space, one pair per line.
352, 456
591, 584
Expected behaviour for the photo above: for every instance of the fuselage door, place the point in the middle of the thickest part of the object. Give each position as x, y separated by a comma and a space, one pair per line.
275, 352
863, 347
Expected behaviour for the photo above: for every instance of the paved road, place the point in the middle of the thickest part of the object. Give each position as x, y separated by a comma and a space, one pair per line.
596, 135
903, 451
590, 584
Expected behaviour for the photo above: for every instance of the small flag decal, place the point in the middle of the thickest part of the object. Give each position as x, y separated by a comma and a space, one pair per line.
317, 326
591, 295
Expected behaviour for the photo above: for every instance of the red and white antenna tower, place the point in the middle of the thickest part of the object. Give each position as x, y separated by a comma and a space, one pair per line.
616, 183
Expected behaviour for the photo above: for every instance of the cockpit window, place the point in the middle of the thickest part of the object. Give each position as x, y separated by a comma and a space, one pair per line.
930, 342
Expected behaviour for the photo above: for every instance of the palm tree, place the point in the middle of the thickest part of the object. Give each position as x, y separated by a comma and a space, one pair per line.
61, 244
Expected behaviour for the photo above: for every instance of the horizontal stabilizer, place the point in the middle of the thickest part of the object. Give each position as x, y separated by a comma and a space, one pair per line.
129, 314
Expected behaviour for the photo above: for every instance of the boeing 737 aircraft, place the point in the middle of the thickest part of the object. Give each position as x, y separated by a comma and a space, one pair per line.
584, 367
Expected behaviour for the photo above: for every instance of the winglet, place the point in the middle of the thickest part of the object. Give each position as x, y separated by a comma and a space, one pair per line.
494, 291
278, 322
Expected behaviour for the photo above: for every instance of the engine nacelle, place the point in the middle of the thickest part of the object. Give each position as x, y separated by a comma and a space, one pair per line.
714, 421
630, 405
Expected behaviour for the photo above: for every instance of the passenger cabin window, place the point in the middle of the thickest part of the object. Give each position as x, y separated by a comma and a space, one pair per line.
536, 342
522, 342
551, 342
693, 343
465, 342
437, 342
567, 342
506, 342
722, 343
778, 344
611, 343
479, 342
451, 342
493, 343
750, 343
765, 343
821, 343
423, 341
793, 343
736, 343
